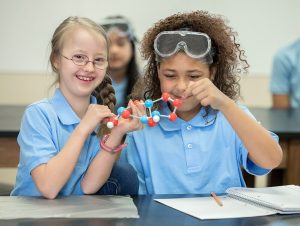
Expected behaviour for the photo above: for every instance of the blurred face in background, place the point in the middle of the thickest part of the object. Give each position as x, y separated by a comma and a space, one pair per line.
120, 51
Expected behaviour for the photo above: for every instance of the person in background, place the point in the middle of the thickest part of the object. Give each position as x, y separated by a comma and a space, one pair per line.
285, 77
195, 58
60, 152
123, 68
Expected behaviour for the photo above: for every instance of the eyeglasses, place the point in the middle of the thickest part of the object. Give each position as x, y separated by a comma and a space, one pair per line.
195, 44
82, 60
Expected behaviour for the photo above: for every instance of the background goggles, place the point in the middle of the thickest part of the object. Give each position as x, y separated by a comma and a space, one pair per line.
195, 44
120, 25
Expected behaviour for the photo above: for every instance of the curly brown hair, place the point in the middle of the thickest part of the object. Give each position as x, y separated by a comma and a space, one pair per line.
229, 59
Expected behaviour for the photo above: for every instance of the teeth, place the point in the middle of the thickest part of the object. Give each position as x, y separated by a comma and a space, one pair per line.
85, 78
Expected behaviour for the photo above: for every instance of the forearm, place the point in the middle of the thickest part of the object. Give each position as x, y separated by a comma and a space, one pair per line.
51, 177
101, 166
263, 149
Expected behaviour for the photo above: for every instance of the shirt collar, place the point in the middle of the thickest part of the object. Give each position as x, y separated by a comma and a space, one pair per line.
64, 110
120, 85
205, 117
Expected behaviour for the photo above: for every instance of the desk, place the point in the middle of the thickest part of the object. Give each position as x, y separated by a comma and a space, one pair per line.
155, 214
10, 120
286, 124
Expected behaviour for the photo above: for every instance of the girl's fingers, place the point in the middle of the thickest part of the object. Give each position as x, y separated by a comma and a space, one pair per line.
187, 92
133, 123
141, 107
138, 107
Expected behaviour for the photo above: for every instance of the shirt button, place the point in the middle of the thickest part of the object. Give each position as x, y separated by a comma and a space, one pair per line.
190, 146
189, 127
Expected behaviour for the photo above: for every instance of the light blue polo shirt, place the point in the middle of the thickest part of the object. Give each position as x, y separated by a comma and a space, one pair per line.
120, 91
195, 157
285, 77
46, 127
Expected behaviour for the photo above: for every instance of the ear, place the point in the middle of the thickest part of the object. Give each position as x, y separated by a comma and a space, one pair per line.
213, 71
56, 62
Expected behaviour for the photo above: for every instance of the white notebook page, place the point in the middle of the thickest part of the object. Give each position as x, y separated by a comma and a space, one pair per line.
207, 208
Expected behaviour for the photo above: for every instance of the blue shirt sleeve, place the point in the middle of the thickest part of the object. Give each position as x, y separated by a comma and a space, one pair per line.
35, 141
131, 155
280, 77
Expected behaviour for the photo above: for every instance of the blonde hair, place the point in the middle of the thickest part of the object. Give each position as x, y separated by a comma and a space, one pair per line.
104, 93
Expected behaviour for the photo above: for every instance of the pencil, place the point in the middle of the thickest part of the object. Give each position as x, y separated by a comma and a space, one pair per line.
216, 198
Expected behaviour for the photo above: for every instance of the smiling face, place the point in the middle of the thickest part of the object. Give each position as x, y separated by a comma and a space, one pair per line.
176, 74
80, 81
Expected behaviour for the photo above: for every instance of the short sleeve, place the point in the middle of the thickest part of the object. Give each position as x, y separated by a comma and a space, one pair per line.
280, 77
35, 138
131, 155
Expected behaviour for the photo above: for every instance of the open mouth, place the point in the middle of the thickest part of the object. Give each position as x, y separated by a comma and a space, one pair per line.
85, 78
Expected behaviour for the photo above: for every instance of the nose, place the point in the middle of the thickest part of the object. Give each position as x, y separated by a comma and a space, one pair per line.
89, 66
182, 85
113, 49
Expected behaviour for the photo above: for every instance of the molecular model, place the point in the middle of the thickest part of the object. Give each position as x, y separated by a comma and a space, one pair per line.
151, 118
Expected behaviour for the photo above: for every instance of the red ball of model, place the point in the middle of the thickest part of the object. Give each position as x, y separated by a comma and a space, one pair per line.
177, 103
151, 122
172, 117
114, 121
126, 114
165, 97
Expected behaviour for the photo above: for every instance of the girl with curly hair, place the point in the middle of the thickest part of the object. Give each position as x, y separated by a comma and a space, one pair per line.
194, 57
60, 152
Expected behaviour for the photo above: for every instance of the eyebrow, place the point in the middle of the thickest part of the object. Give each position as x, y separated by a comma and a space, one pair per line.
172, 70
189, 71
121, 39
85, 53
193, 70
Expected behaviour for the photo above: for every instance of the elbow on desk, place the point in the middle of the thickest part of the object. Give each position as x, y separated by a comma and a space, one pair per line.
88, 191
50, 196
47, 192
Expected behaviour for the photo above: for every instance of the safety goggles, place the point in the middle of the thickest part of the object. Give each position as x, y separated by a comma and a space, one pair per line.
120, 25
195, 44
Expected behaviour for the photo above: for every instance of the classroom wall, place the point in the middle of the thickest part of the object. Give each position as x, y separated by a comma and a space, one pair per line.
18, 89
27, 27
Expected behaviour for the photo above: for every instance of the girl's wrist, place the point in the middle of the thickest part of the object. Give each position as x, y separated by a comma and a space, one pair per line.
226, 105
117, 132
108, 145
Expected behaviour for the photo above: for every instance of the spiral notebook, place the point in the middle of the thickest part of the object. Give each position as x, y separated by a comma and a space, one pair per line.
241, 202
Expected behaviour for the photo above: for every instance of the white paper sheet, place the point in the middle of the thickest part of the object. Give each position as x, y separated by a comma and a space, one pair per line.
68, 207
207, 208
